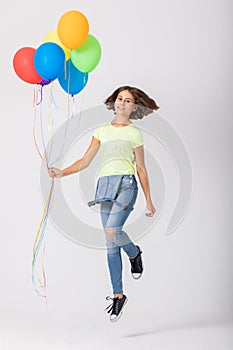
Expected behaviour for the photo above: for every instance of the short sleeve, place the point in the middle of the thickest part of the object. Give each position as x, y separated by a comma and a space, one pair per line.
97, 133
138, 138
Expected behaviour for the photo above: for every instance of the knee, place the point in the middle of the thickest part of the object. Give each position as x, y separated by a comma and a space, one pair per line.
110, 232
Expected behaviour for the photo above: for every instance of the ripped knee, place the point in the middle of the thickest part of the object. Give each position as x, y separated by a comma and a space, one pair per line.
110, 232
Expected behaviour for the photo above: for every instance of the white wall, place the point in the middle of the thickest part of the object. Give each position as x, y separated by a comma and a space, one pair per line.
180, 52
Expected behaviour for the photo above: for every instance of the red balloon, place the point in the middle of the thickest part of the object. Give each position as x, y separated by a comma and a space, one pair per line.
24, 65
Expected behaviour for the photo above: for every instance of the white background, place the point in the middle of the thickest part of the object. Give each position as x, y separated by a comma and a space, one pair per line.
180, 53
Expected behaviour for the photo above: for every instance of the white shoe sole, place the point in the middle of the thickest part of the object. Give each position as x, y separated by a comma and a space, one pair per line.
136, 278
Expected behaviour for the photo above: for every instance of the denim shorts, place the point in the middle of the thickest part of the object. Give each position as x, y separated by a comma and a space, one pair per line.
127, 192
119, 189
115, 213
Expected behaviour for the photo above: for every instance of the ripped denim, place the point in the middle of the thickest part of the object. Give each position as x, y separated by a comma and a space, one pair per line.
113, 218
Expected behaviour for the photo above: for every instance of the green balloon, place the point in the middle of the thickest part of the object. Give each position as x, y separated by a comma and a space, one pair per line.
86, 57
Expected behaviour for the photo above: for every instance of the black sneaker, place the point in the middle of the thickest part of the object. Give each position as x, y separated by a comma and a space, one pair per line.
116, 307
136, 265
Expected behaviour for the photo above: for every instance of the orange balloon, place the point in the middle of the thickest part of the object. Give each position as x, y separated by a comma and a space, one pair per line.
72, 29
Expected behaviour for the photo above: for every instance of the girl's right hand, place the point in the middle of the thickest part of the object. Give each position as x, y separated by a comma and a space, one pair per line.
151, 208
54, 172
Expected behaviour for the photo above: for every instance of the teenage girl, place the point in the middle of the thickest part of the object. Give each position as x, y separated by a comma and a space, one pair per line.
121, 144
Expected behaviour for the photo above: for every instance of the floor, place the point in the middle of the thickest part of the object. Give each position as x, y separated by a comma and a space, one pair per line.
62, 330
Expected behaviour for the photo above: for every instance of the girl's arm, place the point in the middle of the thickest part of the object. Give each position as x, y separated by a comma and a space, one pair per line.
143, 177
80, 164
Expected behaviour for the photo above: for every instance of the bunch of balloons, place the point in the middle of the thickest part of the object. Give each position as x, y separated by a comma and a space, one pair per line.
68, 53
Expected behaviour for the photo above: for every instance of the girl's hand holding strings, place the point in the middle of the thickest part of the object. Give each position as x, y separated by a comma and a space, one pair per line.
54, 172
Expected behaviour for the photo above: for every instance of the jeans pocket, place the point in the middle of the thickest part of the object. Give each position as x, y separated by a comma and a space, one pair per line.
129, 182
128, 198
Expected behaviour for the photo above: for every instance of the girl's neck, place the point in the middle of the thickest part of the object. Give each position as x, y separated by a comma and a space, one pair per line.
122, 120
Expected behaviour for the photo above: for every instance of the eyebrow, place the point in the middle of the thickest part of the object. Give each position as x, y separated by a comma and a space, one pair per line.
127, 98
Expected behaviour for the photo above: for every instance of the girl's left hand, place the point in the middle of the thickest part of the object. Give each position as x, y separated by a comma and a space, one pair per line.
151, 209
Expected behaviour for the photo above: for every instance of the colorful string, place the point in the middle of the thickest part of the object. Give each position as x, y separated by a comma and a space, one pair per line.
38, 268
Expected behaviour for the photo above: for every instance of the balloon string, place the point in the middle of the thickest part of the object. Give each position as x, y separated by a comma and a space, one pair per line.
35, 99
69, 116
35, 94
63, 144
38, 269
64, 68
72, 114
67, 76
41, 95
43, 139
52, 103
52, 96
68, 104
84, 79
50, 120
39, 278
81, 106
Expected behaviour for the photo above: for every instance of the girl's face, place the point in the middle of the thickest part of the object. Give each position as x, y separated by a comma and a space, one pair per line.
124, 104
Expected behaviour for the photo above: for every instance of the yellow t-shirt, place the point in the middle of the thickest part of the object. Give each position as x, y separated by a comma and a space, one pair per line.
117, 144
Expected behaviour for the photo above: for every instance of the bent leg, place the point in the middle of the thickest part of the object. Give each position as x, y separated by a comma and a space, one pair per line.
116, 220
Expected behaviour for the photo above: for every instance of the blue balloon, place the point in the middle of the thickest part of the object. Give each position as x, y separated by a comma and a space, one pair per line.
49, 61
72, 80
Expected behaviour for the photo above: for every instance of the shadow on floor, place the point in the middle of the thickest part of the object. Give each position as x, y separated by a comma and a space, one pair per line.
175, 327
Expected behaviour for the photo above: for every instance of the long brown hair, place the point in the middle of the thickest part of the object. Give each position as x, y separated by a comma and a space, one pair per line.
145, 104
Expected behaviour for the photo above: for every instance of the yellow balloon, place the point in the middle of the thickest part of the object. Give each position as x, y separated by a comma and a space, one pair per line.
53, 37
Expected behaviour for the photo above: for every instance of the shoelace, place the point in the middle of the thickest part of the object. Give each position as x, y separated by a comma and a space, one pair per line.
112, 306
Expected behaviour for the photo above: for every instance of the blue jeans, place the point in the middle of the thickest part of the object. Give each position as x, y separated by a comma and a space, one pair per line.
113, 218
